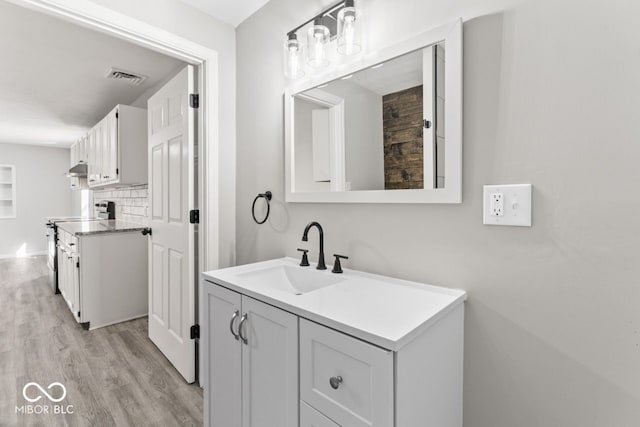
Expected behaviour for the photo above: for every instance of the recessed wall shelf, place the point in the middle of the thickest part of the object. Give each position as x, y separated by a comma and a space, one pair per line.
7, 191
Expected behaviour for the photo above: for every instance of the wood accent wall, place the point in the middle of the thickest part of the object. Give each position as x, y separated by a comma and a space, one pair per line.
402, 129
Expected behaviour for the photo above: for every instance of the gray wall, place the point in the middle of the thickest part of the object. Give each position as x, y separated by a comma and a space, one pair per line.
551, 97
42, 190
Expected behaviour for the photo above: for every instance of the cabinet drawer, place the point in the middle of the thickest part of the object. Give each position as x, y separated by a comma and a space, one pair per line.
309, 417
364, 396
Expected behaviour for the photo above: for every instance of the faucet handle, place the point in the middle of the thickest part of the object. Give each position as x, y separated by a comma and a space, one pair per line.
305, 261
337, 268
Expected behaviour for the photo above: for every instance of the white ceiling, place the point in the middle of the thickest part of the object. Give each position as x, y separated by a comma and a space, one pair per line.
230, 11
398, 74
52, 84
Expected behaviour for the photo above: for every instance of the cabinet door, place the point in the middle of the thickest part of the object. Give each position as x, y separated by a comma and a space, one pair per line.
269, 366
112, 130
75, 286
105, 160
222, 352
62, 271
95, 155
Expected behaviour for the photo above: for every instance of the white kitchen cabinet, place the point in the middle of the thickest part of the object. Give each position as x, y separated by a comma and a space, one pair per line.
372, 351
118, 155
253, 350
94, 155
102, 275
69, 273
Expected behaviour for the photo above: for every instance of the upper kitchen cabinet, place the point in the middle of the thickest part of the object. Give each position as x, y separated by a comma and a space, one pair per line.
117, 148
79, 156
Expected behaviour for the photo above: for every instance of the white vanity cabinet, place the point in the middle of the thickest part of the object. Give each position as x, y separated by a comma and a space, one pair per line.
253, 362
349, 350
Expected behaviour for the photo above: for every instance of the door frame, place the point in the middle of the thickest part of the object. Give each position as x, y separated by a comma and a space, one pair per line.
210, 155
335, 104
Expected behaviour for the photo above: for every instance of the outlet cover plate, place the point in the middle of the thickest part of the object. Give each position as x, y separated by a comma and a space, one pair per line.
516, 199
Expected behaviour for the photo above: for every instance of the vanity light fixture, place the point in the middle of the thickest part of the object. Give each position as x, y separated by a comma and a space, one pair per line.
317, 38
348, 29
293, 57
340, 22
347, 77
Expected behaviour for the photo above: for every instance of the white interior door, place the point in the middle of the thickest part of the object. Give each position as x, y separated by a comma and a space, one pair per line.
171, 127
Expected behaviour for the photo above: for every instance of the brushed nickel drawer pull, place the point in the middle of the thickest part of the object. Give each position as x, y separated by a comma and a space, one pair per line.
233, 318
243, 319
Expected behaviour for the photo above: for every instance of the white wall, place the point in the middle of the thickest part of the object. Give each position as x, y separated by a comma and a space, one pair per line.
187, 22
551, 97
42, 190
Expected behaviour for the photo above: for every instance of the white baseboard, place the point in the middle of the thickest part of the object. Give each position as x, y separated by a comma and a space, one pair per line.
5, 256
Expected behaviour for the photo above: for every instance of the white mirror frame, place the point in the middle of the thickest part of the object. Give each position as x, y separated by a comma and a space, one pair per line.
451, 35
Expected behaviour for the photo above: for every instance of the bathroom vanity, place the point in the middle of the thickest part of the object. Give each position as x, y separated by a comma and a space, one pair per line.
288, 346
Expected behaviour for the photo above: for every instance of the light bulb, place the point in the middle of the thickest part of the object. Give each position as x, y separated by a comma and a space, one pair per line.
348, 31
292, 57
317, 39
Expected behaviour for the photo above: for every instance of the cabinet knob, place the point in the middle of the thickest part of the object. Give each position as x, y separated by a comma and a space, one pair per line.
335, 382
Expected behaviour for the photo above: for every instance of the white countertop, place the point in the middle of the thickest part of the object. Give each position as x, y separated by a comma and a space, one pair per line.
385, 311
83, 228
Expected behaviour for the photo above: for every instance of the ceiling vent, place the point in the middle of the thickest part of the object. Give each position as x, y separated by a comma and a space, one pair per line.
127, 76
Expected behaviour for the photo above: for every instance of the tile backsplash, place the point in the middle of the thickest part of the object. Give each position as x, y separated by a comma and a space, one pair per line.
132, 202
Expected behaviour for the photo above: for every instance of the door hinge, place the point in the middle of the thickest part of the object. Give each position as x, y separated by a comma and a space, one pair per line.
78, 314
195, 332
194, 100
117, 115
194, 216
78, 264
117, 171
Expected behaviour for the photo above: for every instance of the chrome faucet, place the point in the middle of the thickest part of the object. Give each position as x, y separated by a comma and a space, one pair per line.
305, 238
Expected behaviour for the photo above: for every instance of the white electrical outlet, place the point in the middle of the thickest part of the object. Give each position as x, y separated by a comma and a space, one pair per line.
497, 204
507, 205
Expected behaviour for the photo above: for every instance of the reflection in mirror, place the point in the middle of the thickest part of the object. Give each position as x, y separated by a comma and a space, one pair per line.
381, 128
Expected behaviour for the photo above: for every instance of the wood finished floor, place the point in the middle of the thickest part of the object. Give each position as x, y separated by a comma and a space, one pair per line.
115, 376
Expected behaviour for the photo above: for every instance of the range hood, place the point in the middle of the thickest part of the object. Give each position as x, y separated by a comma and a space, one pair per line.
78, 171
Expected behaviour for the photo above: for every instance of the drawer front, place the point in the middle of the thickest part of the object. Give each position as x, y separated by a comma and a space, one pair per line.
348, 380
309, 417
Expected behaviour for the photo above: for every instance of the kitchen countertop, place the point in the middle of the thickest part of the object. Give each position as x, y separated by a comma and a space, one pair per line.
85, 228
382, 310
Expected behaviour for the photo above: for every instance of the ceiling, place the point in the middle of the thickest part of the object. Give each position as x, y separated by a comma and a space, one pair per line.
230, 11
52, 80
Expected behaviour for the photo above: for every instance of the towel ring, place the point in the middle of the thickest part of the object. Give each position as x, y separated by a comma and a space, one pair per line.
267, 196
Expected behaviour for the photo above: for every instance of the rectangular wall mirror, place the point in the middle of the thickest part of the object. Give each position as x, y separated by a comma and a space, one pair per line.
386, 129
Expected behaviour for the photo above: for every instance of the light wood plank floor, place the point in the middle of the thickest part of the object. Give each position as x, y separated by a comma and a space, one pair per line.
115, 376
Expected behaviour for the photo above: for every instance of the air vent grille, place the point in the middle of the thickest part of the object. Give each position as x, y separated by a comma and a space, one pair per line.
127, 76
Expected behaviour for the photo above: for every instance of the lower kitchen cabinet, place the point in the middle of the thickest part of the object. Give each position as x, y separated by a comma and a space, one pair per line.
103, 277
252, 364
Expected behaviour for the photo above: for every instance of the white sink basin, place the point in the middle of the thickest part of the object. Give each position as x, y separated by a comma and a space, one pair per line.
294, 280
